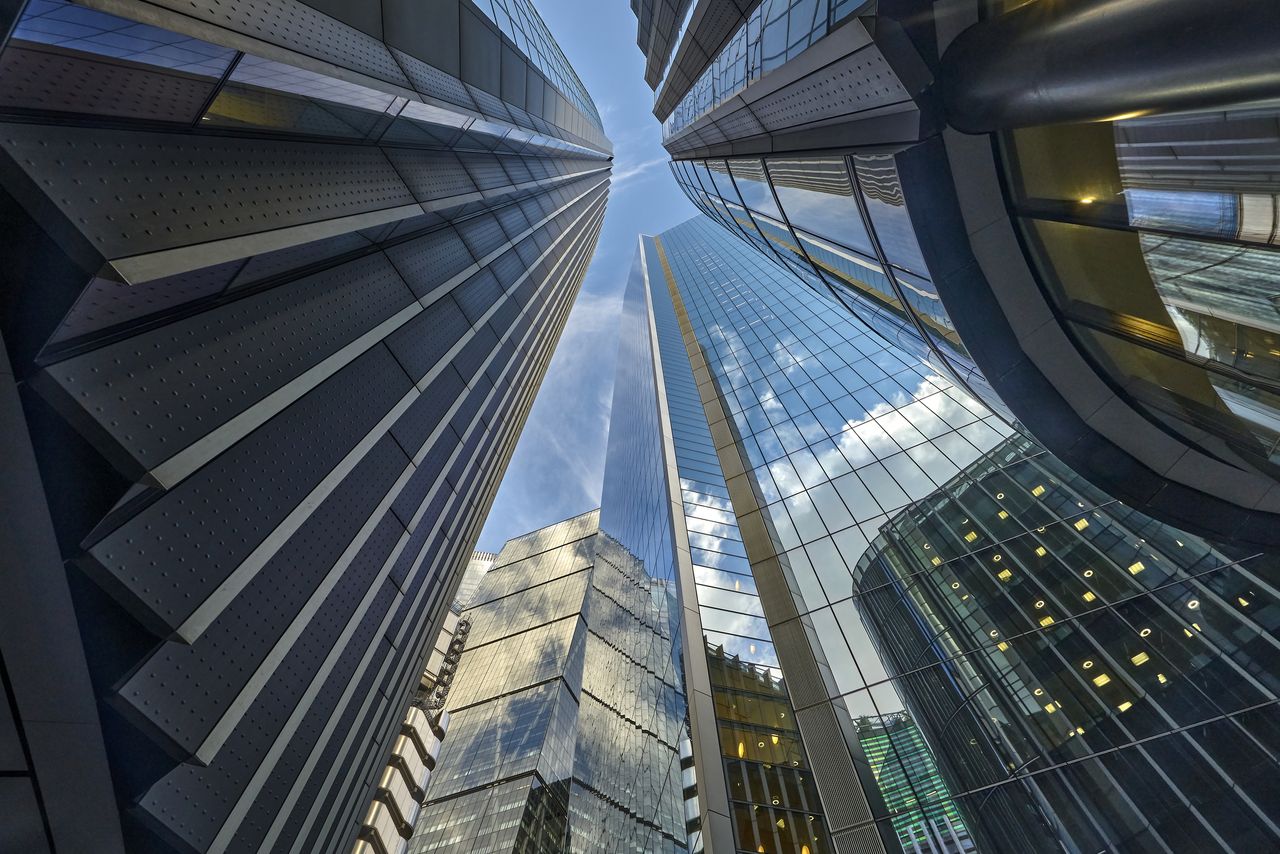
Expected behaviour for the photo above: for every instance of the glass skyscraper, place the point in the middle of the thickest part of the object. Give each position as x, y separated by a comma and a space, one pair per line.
567, 711
979, 649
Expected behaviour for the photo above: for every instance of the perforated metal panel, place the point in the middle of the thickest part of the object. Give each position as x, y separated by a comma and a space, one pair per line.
429, 261
132, 192
173, 554
133, 387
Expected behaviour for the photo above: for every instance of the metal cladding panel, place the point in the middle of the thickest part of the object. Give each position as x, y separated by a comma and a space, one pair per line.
431, 174
228, 653
297, 27
421, 343
429, 261
478, 294
130, 192
255, 309
132, 386
425, 475
211, 522
191, 802
415, 426
482, 234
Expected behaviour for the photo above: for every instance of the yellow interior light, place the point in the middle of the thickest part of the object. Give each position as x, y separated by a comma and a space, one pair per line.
1087, 200
1050, 708
1002, 646
1244, 603
1047, 620
1005, 575
742, 750
1079, 730
971, 536
1162, 678
782, 823
1140, 658
1040, 551
774, 737
1187, 632
1101, 679
1136, 567
1037, 490
1088, 596
936, 561
1125, 706
1003, 514
1081, 524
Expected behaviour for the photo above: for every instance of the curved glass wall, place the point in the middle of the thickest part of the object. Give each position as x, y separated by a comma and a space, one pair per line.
841, 224
777, 31
1158, 242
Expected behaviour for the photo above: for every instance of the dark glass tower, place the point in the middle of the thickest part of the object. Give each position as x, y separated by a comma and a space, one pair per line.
280, 282
1074, 205
981, 650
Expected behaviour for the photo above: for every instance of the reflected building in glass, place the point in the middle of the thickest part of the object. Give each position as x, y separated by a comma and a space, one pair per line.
1087, 251
567, 713
280, 282
975, 649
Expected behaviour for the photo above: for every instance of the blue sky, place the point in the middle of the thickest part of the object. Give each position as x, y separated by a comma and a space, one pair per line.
557, 468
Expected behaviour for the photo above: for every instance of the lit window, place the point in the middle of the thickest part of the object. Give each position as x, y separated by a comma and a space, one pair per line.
1101, 679
1079, 730
1088, 596
1125, 706
1244, 603
1046, 621
1081, 524
971, 536
1005, 575
936, 561
1002, 514
1002, 646
1050, 708
1140, 658
1136, 567
1037, 490
1040, 551
1163, 679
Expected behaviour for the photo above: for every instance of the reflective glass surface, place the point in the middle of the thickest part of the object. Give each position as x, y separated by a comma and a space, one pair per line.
1157, 239
567, 708
520, 22
841, 224
775, 32
1021, 663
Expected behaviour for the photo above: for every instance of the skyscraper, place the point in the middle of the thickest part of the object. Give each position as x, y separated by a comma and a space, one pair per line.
281, 281
1074, 205
567, 710
980, 650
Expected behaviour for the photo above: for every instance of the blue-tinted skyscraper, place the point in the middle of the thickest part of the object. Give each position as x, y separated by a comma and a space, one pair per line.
977, 649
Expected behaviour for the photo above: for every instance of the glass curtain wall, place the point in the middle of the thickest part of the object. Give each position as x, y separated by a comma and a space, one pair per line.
776, 32
841, 224
1020, 661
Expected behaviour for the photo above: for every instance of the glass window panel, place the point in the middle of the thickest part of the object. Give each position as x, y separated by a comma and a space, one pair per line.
753, 185
817, 196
